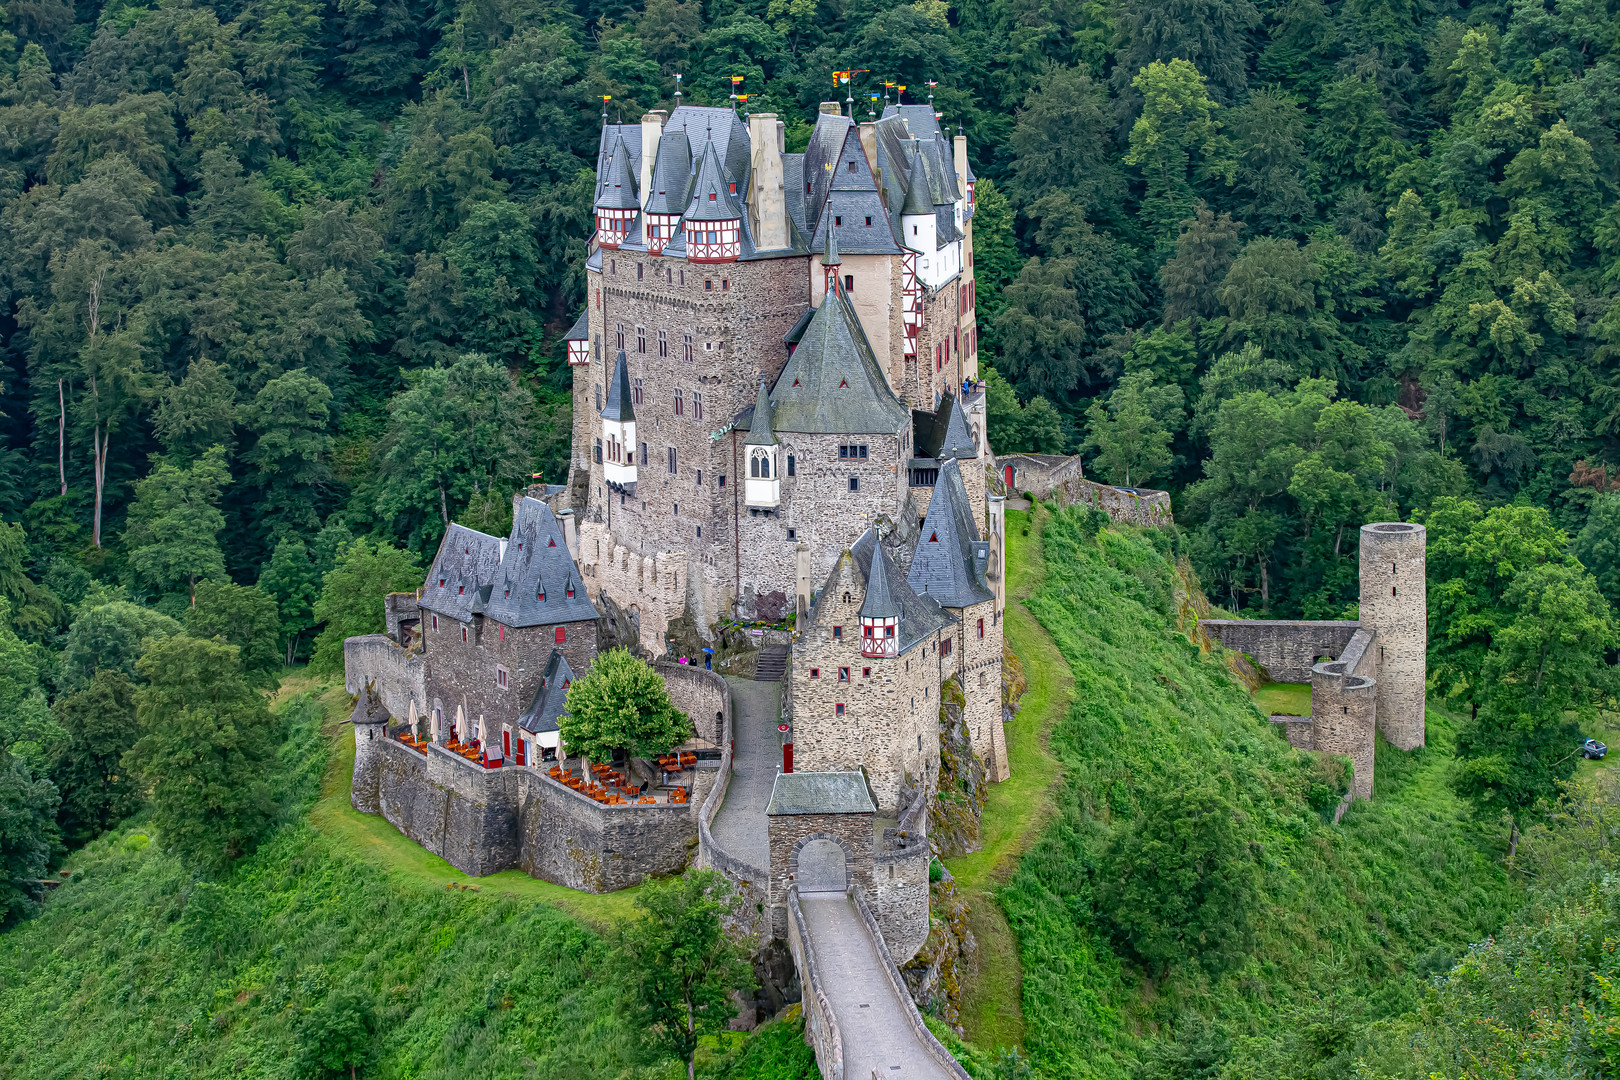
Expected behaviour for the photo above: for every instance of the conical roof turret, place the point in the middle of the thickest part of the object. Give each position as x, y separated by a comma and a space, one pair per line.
618, 405
760, 432
918, 199
880, 602
829, 254
712, 198
619, 183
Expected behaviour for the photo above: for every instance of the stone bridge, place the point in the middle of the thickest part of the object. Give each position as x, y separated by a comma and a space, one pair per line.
782, 848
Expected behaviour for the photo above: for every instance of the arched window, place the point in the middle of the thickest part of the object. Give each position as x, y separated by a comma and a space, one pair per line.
753, 466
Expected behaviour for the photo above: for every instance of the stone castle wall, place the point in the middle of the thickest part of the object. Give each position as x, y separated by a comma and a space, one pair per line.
398, 677
1050, 476
899, 896
789, 833
464, 672
701, 695
1286, 650
465, 817
571, 840
651, 587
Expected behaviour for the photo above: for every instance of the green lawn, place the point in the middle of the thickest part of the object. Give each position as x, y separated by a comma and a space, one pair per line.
1284, 699
1016, 809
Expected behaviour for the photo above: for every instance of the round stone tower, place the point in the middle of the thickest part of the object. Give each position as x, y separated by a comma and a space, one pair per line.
1394, 607
1342, 710
370, 728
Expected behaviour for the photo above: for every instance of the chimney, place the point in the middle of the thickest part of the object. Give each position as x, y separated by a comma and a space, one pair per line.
961, 164
781, 136
869, 147
652, 127
570, 535
832, 108
766, 200
801, 566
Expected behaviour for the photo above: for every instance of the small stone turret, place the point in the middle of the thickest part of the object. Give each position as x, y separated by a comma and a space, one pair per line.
370, 721
1394, 607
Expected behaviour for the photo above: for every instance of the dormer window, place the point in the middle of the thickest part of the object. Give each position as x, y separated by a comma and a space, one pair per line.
713, 196
570, 592
552, 542
734, 187
441, 583
461, 590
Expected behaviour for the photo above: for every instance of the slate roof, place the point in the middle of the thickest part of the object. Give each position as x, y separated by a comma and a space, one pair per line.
920, 616
617, 190
956, 436
851, 199
672, 173
820, 160
918, 119
880, 602
832, 383
712, 199
581, 329
611, 134
760, 432
550, 698
536, 563
619, 404
503, 579
949, 563
369, 710
820, 793
462, 574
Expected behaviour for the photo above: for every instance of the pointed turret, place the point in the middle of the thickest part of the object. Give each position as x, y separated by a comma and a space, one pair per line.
713, 219
617, 449
950, 560
958, 439
763, 488
617, 203
880, 610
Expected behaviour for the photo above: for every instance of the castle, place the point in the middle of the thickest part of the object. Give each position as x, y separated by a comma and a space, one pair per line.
776, 421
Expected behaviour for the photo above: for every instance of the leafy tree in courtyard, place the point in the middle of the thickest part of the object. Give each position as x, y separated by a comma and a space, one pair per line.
681, 967
1177, 880
207, 746
244, 616
87, 766
621, 703
1132, 432
173, 529
351, 602
28, 836
335, 1038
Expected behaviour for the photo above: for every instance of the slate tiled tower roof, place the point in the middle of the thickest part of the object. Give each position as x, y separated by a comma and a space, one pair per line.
920, 616
551, 699
462, 572
832, 383
619, 405
879, 602
478, 574
760, 430
617, 190
712, 196
949, 564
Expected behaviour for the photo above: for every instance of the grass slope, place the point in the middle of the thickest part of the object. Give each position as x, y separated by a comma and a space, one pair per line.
1015, 810
136, 968
1346, 912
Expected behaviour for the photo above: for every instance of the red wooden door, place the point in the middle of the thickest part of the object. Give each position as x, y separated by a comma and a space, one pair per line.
1007, 474
506, 744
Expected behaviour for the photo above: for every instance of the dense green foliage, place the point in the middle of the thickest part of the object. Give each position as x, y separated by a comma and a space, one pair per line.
305, 959
1193, 880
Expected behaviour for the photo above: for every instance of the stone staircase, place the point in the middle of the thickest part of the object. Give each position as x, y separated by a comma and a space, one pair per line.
772, 664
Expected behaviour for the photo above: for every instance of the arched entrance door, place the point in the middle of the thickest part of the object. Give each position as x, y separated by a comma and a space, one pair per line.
821, 867
1007, 476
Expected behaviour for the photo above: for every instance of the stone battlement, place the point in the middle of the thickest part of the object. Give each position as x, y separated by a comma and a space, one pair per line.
651, 587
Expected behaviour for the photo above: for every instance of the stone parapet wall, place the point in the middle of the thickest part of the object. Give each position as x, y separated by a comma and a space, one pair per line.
931, 1045
571, 840
651, 587
702, 695
1050, 476
397, 677
465, 819
1344, 712
820, 1026
1286, 650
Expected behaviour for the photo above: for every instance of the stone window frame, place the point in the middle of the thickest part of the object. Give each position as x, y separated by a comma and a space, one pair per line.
688, 353
793, 534
503, 678
981, 628
635, 392
838, 633
838, 709
464, 634
854, 483
663, 343
791, 470
641, 339
674, 462
945, 647
618, 336
680, 403
697, 405
435, 621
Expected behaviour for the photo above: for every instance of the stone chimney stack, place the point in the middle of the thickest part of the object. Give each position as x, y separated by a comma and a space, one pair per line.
652, 128
766, 200
869, 147
801, 567
960, 159
570, 533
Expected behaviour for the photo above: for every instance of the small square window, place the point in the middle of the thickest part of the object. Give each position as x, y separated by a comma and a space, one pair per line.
843, 674
866, 673
840, 708
815, 673
708, 285
793, 534
838, 633
854, 483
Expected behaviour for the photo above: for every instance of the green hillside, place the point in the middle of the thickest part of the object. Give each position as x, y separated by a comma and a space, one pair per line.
1298, 932
137, 968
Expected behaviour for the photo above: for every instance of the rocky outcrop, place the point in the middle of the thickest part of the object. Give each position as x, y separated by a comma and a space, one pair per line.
934, 975
955, 813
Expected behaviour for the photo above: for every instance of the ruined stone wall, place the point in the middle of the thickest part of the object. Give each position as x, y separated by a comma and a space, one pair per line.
1394, 605
889, 726
1287, 650
398, 677
574, 841
465, 672
1343, 718
652, 586
400, 609
1048, 476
